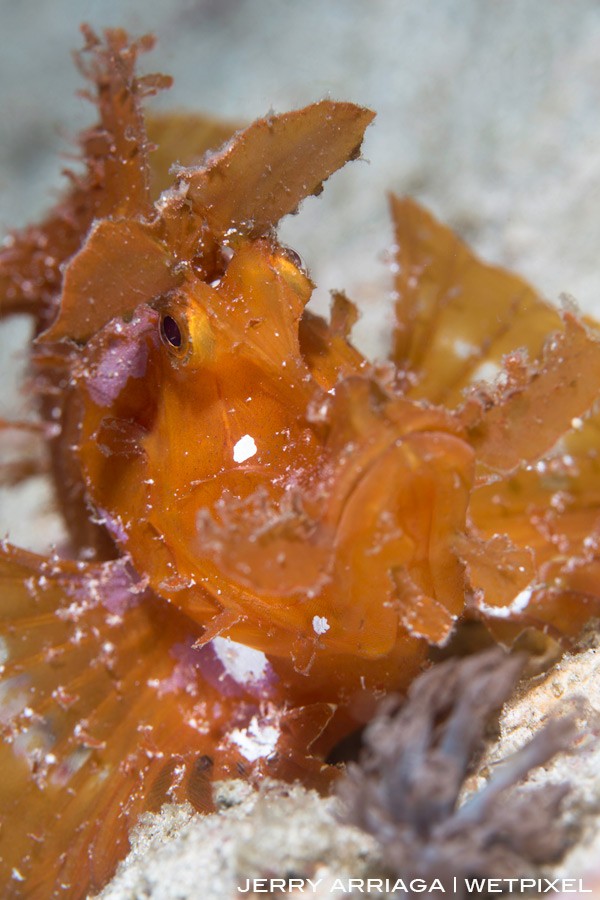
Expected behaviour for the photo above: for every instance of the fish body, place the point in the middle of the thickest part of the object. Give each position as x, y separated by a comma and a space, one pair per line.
268, 532
255, 496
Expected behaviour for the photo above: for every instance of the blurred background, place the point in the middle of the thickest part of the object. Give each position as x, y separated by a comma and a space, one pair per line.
487, 111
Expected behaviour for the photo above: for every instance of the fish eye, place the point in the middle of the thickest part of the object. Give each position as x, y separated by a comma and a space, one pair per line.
170, 332
185, 331
174, 334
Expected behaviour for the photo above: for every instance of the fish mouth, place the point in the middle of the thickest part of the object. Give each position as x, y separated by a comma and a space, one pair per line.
280, 541
274, 540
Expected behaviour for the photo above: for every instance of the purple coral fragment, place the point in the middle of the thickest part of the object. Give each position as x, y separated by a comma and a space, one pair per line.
406, 789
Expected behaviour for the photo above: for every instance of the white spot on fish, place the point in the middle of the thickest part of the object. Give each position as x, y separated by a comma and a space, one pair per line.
518, 605
256, 741
244, 449
320, 624
243, 664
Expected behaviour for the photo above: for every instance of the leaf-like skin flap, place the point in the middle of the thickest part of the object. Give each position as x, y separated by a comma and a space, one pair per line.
120, 266
539, 402
115, 181
456, 316
119, 143
268, 169
182, 138
260, 176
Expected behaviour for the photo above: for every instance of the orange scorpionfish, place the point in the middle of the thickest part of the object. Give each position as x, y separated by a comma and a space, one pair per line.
267, 532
